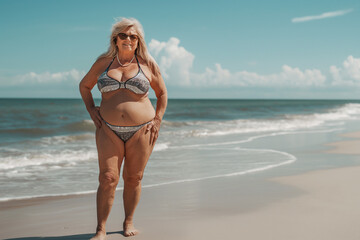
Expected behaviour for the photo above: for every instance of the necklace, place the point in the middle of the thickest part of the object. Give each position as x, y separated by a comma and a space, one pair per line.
124, 65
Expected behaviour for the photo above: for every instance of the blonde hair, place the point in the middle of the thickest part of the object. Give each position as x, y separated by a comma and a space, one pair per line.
141, 50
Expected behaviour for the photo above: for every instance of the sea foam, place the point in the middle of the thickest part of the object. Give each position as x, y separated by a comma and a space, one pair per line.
288, 122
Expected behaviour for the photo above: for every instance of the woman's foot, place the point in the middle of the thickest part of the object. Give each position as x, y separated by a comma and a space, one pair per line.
129, 229
100, 235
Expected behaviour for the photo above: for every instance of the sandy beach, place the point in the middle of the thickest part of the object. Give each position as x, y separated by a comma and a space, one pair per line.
237, 120
351, 146
320, 204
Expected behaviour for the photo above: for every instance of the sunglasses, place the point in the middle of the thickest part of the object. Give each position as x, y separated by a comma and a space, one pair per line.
124, 36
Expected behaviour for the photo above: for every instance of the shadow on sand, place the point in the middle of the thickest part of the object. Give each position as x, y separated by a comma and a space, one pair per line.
69, 237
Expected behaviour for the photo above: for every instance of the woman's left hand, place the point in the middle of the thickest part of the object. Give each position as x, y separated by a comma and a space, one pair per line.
154, 127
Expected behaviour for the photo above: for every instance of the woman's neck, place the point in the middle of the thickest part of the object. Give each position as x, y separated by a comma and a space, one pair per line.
125, 57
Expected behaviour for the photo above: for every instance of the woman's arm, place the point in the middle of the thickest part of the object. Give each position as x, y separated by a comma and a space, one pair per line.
158, 85
85, 86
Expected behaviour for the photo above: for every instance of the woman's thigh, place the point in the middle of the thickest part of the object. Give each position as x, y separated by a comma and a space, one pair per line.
137, 152
110, 150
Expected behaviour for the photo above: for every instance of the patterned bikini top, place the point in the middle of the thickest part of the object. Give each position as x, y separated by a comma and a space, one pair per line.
138, 84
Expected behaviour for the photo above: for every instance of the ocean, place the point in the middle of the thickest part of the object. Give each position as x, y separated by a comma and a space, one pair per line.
47, 146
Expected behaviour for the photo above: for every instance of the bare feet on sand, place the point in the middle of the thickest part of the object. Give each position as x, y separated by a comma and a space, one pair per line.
100, 235
129, 229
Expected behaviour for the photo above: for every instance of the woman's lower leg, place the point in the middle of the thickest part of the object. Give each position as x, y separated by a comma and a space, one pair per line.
105, 198
131, 196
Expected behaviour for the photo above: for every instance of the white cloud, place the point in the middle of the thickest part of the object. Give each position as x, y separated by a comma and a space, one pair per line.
176, 63
288, 77
321, 16
176, 66
71, 77
348, 74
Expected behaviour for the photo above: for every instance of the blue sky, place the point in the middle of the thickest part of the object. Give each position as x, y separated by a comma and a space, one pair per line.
205, 49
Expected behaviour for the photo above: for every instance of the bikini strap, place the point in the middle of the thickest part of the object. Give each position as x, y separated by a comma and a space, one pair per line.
109, 64
137, 61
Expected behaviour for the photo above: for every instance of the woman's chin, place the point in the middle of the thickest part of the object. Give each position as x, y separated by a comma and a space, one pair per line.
127, 48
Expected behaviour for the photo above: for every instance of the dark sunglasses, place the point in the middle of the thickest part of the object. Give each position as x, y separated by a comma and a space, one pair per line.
124, 36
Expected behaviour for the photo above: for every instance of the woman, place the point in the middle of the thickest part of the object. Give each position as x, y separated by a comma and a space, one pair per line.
126, 123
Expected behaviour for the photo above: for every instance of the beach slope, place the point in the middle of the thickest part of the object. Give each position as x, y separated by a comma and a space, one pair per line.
321, 204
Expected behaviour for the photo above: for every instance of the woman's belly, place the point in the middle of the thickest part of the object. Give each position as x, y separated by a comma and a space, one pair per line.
124, 109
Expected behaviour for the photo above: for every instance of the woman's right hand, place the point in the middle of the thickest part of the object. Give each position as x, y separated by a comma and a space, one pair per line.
95, 116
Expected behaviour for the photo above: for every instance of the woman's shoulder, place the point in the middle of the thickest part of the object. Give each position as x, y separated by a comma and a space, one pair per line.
101, 64
102, 61
141, 60
150, 67
145, 67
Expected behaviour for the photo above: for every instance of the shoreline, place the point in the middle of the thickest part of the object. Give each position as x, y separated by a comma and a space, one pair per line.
320, 204
348, 147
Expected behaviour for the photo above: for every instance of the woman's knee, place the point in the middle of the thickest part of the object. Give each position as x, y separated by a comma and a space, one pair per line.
108, 179
133, 180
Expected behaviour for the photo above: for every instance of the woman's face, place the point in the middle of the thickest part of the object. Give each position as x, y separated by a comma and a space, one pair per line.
127, 40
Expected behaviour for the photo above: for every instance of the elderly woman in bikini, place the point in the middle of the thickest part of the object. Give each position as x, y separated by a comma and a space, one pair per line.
127, 125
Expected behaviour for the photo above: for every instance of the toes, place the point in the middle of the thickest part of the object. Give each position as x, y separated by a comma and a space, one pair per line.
129, 230
130, 233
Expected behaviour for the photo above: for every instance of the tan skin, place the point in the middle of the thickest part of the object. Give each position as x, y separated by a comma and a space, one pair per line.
123, 108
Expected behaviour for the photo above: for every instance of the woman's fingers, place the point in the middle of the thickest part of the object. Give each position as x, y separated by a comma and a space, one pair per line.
151, 135
95, 115
99, 119
148, 127
153, 127
98, 123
